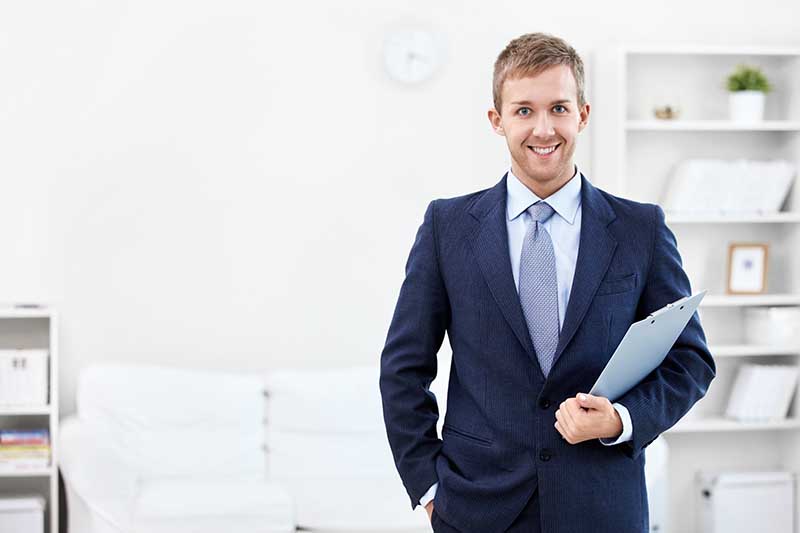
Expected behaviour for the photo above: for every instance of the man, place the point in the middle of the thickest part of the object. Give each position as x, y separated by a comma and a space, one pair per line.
535, 281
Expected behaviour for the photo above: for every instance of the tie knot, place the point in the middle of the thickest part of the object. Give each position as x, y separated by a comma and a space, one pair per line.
540, 211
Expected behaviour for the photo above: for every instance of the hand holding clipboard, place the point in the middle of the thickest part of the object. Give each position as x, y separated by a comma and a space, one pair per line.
644, 347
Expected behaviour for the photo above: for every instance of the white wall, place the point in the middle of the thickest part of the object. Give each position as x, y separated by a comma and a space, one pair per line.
237, 184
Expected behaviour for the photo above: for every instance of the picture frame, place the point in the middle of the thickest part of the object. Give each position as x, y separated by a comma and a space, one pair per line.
747, 268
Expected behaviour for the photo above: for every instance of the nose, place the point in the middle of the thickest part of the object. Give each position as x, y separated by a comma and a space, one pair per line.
542, 127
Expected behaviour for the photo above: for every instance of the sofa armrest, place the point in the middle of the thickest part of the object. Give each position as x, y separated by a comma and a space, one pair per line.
99, 476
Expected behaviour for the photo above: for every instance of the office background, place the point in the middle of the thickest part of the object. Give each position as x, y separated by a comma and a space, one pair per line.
189, 181
237, 185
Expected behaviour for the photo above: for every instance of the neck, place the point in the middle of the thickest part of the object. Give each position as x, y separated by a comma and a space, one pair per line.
543, 189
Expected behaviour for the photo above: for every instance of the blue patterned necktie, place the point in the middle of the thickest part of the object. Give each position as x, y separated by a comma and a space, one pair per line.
538, 290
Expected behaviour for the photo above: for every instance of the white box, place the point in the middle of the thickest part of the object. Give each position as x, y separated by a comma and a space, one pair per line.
23, 377
743, 502
772, 326
23, 512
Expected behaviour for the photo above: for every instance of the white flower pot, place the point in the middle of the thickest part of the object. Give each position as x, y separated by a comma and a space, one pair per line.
746, 106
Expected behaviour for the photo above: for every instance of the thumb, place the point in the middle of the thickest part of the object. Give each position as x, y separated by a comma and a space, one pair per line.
589, 402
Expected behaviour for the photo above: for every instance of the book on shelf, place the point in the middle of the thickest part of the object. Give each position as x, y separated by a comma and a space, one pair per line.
24, 436
762, 392
24, 450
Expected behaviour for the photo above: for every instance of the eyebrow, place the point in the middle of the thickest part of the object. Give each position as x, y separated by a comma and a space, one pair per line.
526, 102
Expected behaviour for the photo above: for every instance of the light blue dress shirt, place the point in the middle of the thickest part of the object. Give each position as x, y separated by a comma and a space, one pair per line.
565, 233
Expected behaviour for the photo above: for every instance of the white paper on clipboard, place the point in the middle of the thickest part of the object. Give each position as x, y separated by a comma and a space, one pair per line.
644, 347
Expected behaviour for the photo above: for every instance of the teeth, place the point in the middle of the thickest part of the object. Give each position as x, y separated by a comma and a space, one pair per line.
544, 151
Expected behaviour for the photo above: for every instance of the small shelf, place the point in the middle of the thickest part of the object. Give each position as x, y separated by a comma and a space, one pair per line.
12, 311
711, 125
41, 472
719, 424
25, 410
672, 49
768, 218
727, 300
751, 350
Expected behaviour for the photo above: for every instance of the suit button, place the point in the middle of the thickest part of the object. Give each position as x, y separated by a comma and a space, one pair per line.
544, 403
545, 455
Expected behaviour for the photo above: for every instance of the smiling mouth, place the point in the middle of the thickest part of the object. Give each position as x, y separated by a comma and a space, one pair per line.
544, 151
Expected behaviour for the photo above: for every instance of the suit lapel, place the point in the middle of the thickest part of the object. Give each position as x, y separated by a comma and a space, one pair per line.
490, 245
595, 250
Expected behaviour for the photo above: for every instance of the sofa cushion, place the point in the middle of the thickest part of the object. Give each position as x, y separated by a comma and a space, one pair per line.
354, 505
170, 422
209, 499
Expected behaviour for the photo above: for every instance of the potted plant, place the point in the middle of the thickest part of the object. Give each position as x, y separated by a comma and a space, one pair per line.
747, 86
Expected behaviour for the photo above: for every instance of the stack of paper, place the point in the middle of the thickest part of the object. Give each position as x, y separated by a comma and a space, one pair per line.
762, 392
718, 186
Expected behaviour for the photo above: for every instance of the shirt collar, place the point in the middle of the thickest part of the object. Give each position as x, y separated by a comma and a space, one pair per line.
564, 201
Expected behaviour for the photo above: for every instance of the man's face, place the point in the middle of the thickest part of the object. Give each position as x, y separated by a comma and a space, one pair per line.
538, 113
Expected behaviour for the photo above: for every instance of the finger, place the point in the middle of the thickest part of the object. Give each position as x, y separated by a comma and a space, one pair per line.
590, 401
574, 409
567, 419
561, 431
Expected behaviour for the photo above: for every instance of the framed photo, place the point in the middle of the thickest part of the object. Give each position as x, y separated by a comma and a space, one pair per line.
747, 268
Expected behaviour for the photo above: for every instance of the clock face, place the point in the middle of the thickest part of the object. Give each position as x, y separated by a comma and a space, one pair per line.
411, 56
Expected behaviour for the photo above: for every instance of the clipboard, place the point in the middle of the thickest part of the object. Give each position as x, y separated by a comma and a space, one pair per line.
644, 347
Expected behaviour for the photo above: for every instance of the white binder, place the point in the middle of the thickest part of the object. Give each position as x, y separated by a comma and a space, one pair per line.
644, 347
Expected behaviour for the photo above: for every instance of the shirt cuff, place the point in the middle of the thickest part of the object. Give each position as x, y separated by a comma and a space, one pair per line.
428, 496
627, 426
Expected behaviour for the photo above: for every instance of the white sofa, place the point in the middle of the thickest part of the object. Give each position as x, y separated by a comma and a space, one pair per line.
154, 449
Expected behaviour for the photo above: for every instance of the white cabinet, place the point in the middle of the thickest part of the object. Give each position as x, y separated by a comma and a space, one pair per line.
33, 328
634, 155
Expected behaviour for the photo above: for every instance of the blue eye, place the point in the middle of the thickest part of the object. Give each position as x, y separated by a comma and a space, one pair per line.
562, 107
521, 109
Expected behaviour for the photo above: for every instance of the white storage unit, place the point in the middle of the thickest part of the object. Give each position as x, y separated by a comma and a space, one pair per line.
31, 333
23, 377
635, 157
23, 513
743, 502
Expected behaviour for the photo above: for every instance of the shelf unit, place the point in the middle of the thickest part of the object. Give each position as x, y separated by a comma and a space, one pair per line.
34, 328
634, 158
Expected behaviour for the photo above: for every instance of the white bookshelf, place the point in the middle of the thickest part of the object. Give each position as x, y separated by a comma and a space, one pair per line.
717, 424
634, 158
750, 350
34, 328
711, 125
771, 218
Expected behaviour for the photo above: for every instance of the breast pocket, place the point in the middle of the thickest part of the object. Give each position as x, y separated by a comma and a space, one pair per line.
617, 285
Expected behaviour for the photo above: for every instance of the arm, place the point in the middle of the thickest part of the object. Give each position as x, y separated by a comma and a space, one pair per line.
668, 392
408, 364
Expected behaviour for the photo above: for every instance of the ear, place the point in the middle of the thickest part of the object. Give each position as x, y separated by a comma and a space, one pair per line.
584, 114
496, 121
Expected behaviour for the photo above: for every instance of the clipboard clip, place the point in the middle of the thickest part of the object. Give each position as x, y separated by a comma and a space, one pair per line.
669, 306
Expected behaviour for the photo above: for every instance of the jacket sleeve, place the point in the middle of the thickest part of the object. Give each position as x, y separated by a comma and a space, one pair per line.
408, 364
668, 392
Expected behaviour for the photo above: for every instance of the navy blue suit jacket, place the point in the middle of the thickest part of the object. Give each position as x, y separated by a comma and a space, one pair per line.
498, 440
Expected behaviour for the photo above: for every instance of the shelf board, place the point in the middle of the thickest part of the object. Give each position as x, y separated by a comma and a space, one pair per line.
711, 125
751, 350
719, 424
728, 300
767, 218
23, 410
11, 311
41, 472
705, 49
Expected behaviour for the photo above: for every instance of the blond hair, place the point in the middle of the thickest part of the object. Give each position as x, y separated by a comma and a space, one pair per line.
531, 54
